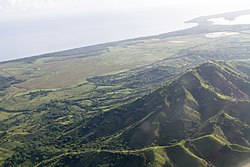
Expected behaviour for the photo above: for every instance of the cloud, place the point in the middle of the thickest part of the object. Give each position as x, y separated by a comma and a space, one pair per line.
23, 5
97, 5
35, 9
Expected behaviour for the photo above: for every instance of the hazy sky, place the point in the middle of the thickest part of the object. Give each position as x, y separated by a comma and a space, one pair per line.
31, 27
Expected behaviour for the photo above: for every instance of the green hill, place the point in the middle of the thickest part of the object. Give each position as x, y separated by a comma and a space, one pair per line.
189, 107
205, 151
193, 121
201, 118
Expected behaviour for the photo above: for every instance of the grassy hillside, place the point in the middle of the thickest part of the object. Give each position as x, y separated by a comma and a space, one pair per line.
176, 111
205, 151
193, 118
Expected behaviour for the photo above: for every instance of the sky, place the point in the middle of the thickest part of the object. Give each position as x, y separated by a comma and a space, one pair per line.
33, 27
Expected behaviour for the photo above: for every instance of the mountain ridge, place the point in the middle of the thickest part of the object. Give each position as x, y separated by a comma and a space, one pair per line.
178, 118
181, 101
185, 114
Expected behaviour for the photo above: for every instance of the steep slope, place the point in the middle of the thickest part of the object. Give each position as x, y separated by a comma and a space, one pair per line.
202, 118
212, 98
206, 151
185, 108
